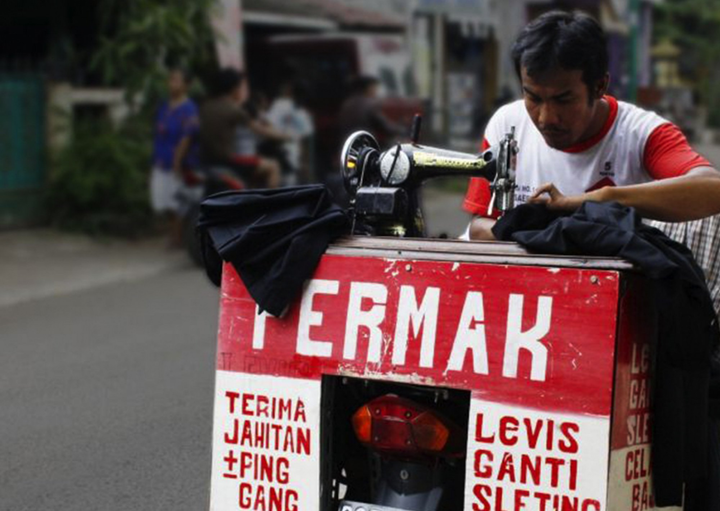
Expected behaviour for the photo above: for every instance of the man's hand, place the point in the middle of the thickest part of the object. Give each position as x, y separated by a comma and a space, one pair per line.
677, 199
549, 195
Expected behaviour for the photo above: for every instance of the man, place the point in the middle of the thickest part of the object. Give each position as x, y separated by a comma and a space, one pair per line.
174, 149
577, 144
221, 117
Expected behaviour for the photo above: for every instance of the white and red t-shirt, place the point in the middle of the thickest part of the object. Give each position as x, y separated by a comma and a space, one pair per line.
634, 146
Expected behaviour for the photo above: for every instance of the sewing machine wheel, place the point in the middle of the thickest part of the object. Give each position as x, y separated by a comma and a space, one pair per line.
354, 152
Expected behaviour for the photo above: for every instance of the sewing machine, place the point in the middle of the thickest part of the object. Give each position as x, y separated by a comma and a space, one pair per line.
384, 185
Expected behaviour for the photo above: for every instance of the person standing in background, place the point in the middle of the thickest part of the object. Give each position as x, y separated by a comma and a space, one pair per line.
174, 149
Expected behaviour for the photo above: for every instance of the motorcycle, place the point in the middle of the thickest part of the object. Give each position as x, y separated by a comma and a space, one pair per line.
197, 185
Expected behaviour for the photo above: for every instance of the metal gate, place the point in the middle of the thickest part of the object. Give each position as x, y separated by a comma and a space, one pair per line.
22, 147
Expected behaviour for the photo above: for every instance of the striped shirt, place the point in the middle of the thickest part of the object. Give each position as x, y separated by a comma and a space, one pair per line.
702, 237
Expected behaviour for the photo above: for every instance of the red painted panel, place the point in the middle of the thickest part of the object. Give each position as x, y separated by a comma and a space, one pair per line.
631, 411
578, 307
630, 475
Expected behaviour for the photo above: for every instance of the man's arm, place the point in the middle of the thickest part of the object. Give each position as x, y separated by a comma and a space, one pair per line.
267, 131
481, 228
179, 154
478, 196
189, 127
689, 197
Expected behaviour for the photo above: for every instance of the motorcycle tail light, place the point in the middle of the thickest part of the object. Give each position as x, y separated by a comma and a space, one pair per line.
231, 182
362, 424
430, 433
191, 178
396, 425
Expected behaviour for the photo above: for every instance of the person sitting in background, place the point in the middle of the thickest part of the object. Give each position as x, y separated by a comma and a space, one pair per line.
174, 148
220, 118
287, 116
248, 142
362, 111
246, 139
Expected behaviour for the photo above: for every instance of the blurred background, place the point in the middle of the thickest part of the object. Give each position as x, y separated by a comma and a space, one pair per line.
106, 328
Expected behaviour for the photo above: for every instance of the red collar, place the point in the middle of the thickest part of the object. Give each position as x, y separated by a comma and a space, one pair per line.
587, 144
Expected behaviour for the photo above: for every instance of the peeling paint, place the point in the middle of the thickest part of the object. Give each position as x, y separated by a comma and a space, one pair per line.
591, 299
390, 267
232, 329
376, 374
578, 354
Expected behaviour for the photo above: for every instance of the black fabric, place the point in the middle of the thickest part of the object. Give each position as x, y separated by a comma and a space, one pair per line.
273, 238
686, 323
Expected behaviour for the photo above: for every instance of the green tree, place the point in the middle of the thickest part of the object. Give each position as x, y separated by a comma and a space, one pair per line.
694, 25
143, 37
99, 181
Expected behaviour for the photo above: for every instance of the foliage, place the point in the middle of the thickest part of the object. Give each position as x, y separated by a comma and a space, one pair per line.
694, 26
99, 182
143, 37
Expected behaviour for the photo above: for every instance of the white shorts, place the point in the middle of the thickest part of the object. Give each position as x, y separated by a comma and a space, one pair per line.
164, 186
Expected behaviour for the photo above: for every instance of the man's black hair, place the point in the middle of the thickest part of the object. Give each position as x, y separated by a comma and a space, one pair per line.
566, 40
363, 83
226, 80
184, 72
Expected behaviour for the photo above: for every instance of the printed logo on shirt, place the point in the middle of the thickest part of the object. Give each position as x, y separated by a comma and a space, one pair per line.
608, 170
606, 181
523, 193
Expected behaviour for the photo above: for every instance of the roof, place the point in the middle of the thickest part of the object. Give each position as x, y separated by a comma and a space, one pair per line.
333, 10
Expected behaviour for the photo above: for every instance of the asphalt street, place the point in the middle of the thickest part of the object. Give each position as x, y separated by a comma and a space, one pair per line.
106, 396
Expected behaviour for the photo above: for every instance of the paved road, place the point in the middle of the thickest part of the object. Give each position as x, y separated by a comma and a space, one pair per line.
710, 151
106, 397
39, 263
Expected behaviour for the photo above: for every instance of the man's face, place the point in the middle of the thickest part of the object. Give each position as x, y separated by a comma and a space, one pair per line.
238, 94
559, 105
372, 90
176, 83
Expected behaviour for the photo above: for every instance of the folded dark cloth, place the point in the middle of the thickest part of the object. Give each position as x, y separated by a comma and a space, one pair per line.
686, 324
273, 238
